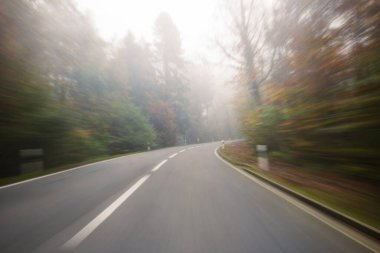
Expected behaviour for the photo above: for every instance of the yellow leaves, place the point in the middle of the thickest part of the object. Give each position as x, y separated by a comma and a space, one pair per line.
81, 133
273, 93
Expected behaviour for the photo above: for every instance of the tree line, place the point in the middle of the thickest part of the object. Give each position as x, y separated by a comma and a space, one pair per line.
65, 90
309, 74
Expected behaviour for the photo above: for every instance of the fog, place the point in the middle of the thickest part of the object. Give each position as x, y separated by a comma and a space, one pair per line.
94, 78
91, 78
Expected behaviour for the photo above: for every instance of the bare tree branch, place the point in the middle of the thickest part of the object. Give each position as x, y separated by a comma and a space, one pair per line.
270, 68
250, 11
248, 27
228, 54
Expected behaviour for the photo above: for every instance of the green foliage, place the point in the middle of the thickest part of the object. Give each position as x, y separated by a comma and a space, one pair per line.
262, 127
163, 119
64, 90
128, 129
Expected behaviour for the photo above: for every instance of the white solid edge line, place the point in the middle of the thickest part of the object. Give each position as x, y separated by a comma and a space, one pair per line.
159, 165
348, 232
59, 172
90, 227
173, 155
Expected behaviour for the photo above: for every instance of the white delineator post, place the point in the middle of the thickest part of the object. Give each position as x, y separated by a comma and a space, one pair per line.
262, 156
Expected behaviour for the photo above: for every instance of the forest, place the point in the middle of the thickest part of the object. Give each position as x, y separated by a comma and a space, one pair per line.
65, 90
306, 76
309, 82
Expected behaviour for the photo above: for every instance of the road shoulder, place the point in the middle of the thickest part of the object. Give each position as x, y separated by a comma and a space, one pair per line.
369, 242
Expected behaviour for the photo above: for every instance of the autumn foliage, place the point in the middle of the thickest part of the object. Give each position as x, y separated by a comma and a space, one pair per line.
321, 104
65, 90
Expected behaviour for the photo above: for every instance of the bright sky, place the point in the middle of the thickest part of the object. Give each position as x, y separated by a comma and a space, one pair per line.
195, 19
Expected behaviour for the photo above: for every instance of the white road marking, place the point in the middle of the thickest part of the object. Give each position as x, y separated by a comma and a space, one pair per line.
64, 171
345, 230
190, 148
173, 155
159, 165
90, 227
183, 150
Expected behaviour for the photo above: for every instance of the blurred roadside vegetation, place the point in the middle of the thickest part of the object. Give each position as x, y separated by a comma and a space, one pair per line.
66, 91
316, 101
353, 198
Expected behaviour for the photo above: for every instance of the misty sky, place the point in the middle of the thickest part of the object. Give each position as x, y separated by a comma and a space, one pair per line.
195, 19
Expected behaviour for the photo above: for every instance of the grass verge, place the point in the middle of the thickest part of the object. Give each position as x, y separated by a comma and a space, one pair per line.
353, 199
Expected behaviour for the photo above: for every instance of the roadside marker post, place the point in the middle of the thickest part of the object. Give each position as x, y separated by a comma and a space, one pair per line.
262, 156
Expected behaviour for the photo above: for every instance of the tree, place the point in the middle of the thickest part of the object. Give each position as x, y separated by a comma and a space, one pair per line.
171, 70
24, 91
321, 101
60, 91
163, 118
249, 53
135, 61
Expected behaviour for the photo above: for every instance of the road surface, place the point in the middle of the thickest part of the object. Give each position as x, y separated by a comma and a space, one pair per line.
173, 200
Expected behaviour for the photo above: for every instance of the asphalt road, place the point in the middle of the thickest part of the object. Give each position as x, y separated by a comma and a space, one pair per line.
192, 203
